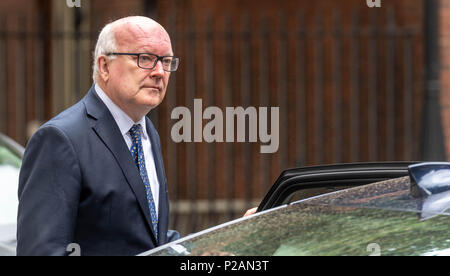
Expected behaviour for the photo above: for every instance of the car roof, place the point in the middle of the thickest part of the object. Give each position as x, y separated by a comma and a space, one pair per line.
393, 194
382, 207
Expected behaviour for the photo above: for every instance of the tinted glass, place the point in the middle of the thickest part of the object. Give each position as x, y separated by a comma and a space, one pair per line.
304, 229
308, 193
392, 194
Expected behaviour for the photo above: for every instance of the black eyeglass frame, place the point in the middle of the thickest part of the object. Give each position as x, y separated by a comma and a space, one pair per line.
158, 58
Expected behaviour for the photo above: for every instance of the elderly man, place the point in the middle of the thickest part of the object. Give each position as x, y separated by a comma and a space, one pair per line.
93, 176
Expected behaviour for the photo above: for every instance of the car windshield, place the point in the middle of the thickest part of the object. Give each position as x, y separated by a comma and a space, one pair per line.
9, 174
390, 221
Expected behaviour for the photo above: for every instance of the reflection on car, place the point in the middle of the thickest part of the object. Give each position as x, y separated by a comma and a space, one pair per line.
11, 155
383, 217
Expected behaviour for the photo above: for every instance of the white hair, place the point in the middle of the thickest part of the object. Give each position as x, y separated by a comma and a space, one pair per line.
106, 43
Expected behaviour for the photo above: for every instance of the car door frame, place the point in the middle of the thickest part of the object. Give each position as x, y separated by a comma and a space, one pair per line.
330, 176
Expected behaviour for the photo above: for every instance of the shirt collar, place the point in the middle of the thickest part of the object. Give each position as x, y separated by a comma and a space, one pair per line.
124, 122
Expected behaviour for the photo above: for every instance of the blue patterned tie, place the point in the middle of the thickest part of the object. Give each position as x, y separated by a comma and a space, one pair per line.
138, 155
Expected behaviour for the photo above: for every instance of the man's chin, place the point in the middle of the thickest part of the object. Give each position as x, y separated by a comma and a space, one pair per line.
151, 97
151, 102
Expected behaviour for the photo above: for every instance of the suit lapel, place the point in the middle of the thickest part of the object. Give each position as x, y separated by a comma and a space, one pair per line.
159, 165
107, 130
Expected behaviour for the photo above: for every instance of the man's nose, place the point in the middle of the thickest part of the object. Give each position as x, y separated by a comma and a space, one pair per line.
158, 71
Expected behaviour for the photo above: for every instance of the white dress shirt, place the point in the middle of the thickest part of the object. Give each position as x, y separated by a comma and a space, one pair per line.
124, 122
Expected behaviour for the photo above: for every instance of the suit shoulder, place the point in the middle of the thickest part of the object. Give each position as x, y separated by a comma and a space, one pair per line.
72, 118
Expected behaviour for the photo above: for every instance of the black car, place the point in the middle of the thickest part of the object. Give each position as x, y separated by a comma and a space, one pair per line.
382, 209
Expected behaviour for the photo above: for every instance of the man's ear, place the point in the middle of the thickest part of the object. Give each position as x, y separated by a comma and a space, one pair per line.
103, 68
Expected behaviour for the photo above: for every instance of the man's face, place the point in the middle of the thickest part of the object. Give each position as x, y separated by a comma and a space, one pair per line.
132, 88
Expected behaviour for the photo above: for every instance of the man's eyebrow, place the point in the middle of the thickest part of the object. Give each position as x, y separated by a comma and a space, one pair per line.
153, 53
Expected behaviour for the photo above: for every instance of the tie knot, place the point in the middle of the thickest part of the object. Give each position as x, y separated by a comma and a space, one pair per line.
135, 131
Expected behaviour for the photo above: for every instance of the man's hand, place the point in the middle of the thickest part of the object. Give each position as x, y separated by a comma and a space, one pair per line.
250, 212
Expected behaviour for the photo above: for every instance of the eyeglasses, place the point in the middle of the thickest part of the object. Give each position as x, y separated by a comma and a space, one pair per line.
149, 61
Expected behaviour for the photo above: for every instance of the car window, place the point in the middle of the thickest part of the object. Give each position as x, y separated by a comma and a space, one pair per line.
9, 178
308, 193
302, 183
393, 194
305, 229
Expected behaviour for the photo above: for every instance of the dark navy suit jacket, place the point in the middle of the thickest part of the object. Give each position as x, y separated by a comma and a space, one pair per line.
79, 184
